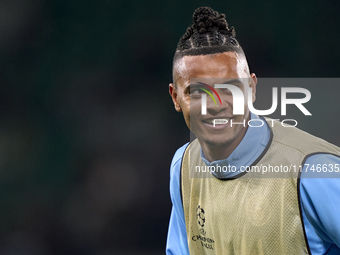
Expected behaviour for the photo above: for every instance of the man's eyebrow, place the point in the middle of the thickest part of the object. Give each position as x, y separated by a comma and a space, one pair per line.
193, 86
236, 82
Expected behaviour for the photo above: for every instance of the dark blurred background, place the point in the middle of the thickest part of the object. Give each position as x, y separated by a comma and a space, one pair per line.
87, 128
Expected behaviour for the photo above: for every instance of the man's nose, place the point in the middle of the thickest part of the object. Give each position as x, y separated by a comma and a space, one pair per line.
214, 107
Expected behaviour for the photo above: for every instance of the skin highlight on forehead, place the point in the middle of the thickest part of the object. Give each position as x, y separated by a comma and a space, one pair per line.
229, 64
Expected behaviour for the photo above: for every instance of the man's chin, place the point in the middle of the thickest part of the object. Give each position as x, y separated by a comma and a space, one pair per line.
218, 142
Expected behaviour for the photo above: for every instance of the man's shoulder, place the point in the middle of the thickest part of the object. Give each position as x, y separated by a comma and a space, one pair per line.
323, 166
175, 170
178, 155
302, 141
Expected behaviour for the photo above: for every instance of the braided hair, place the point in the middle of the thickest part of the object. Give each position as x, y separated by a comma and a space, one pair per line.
209, 34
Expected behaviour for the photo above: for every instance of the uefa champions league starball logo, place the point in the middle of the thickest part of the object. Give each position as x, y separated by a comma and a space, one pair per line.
200, 216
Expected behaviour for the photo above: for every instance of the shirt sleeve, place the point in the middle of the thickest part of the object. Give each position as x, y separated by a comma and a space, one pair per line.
320, 201
177, 243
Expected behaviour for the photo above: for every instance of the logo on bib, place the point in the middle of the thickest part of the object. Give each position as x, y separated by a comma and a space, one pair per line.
204, 241
200, 216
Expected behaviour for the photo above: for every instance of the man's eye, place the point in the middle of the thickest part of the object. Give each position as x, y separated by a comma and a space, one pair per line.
196, 92
225, 91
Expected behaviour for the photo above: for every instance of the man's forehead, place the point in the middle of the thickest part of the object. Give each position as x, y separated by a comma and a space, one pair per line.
221, 65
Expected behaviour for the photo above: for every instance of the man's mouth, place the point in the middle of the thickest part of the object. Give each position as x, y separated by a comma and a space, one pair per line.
218, 121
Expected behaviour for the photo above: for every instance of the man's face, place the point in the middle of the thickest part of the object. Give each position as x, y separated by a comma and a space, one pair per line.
218, 68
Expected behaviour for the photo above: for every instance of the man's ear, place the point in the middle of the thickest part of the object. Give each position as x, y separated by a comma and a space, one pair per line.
253, 82
174, 96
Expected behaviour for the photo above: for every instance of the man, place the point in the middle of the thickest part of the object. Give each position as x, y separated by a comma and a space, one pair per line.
235, 211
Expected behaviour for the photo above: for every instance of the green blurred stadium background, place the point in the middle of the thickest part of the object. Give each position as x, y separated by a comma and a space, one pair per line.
87, 128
